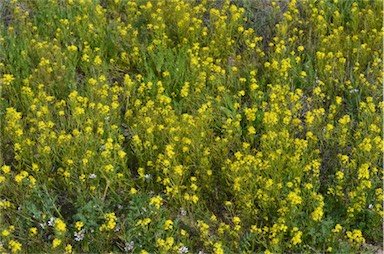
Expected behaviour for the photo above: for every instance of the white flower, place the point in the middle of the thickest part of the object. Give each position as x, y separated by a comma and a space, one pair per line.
92, 176
51, 221
129, 246
354, 91
79, 236
183, 249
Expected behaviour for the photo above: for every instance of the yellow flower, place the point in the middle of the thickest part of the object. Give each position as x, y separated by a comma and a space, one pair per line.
72, 48
217, 248
294, 198
337, 228
169, 241
122, 154
19, 177
68, 248
108, 168
32, 231
133, 191
14, 246
236, 220
146, 221
97, 60
339, 100
110, 222
5, 233
317, 214
7, 79
168, 225
250, 114
251, 130
296, 239
60, 225
156, 201
6, 169
363, 171
179, 170
85, 58
355, 236
56, 242
270, 118
194, 199
79, 225
345, 120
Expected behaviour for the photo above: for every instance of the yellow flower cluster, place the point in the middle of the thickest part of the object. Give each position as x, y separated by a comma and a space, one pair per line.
60, 226
110, 222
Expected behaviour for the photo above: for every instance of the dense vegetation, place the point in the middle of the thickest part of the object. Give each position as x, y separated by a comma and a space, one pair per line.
200, 126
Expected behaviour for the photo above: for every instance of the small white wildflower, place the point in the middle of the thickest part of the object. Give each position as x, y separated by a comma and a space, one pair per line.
183, 249
354, 91
117, 229
51, 221
370, 206
183, 212
129, 246
147, 176
43, 225
92, 176
79, 236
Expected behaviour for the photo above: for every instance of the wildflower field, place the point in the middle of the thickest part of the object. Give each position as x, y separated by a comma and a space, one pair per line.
177, 126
